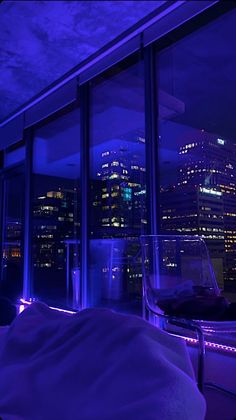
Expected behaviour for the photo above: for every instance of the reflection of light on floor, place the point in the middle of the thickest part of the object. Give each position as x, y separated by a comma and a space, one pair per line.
26, 303
208, 344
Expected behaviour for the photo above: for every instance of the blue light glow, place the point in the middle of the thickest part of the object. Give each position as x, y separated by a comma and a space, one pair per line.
127, 194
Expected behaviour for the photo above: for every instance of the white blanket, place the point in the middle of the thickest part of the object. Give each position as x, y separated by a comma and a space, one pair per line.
94, 365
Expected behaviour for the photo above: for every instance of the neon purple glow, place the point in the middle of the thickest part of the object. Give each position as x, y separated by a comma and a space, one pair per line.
208, 344
21, 309
28, 302
62, 310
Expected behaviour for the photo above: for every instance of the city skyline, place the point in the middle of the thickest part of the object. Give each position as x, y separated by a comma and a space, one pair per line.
201, 201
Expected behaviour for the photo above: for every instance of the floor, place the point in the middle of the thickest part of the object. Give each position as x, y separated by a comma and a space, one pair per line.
221, 370
220, 406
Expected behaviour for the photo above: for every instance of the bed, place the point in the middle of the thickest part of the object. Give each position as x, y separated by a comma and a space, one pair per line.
95, 364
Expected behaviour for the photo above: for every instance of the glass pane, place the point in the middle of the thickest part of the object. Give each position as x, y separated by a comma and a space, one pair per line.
12, 263
118, 186
14, 156
197, 148
56, 218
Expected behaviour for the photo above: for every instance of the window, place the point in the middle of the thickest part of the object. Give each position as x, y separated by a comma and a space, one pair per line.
197, 151
11, 284
14, 154
117, 185
56, 213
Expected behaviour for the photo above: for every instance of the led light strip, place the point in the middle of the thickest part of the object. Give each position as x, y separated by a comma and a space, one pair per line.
28, 302
194, 341
208, 344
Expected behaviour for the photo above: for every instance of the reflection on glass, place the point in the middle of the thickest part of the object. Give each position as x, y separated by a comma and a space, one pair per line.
56, 218
12, 263
14, 155
197, 143
117, 185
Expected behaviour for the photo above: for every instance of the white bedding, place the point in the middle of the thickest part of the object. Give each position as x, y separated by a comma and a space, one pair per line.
95, 364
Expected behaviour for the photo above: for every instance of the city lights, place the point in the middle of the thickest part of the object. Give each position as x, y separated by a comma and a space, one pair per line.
210, 191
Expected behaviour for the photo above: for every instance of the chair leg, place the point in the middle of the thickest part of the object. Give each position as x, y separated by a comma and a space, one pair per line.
191, 325
201, 359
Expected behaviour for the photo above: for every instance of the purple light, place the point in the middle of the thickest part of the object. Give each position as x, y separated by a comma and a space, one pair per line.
28, 302
21, 309
209, 344
194, 341
62, 310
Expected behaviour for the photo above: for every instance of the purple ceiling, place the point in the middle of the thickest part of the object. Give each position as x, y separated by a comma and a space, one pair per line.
42, 40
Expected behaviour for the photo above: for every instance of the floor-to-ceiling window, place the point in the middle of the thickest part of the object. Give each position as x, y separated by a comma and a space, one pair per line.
56, 211
11, 284
197, 164
197, 141
117, 186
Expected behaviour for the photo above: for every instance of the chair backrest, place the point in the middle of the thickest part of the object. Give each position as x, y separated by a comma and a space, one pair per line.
175, 267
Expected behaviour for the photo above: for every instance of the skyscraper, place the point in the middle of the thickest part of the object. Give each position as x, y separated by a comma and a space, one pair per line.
119, 194
203, 200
